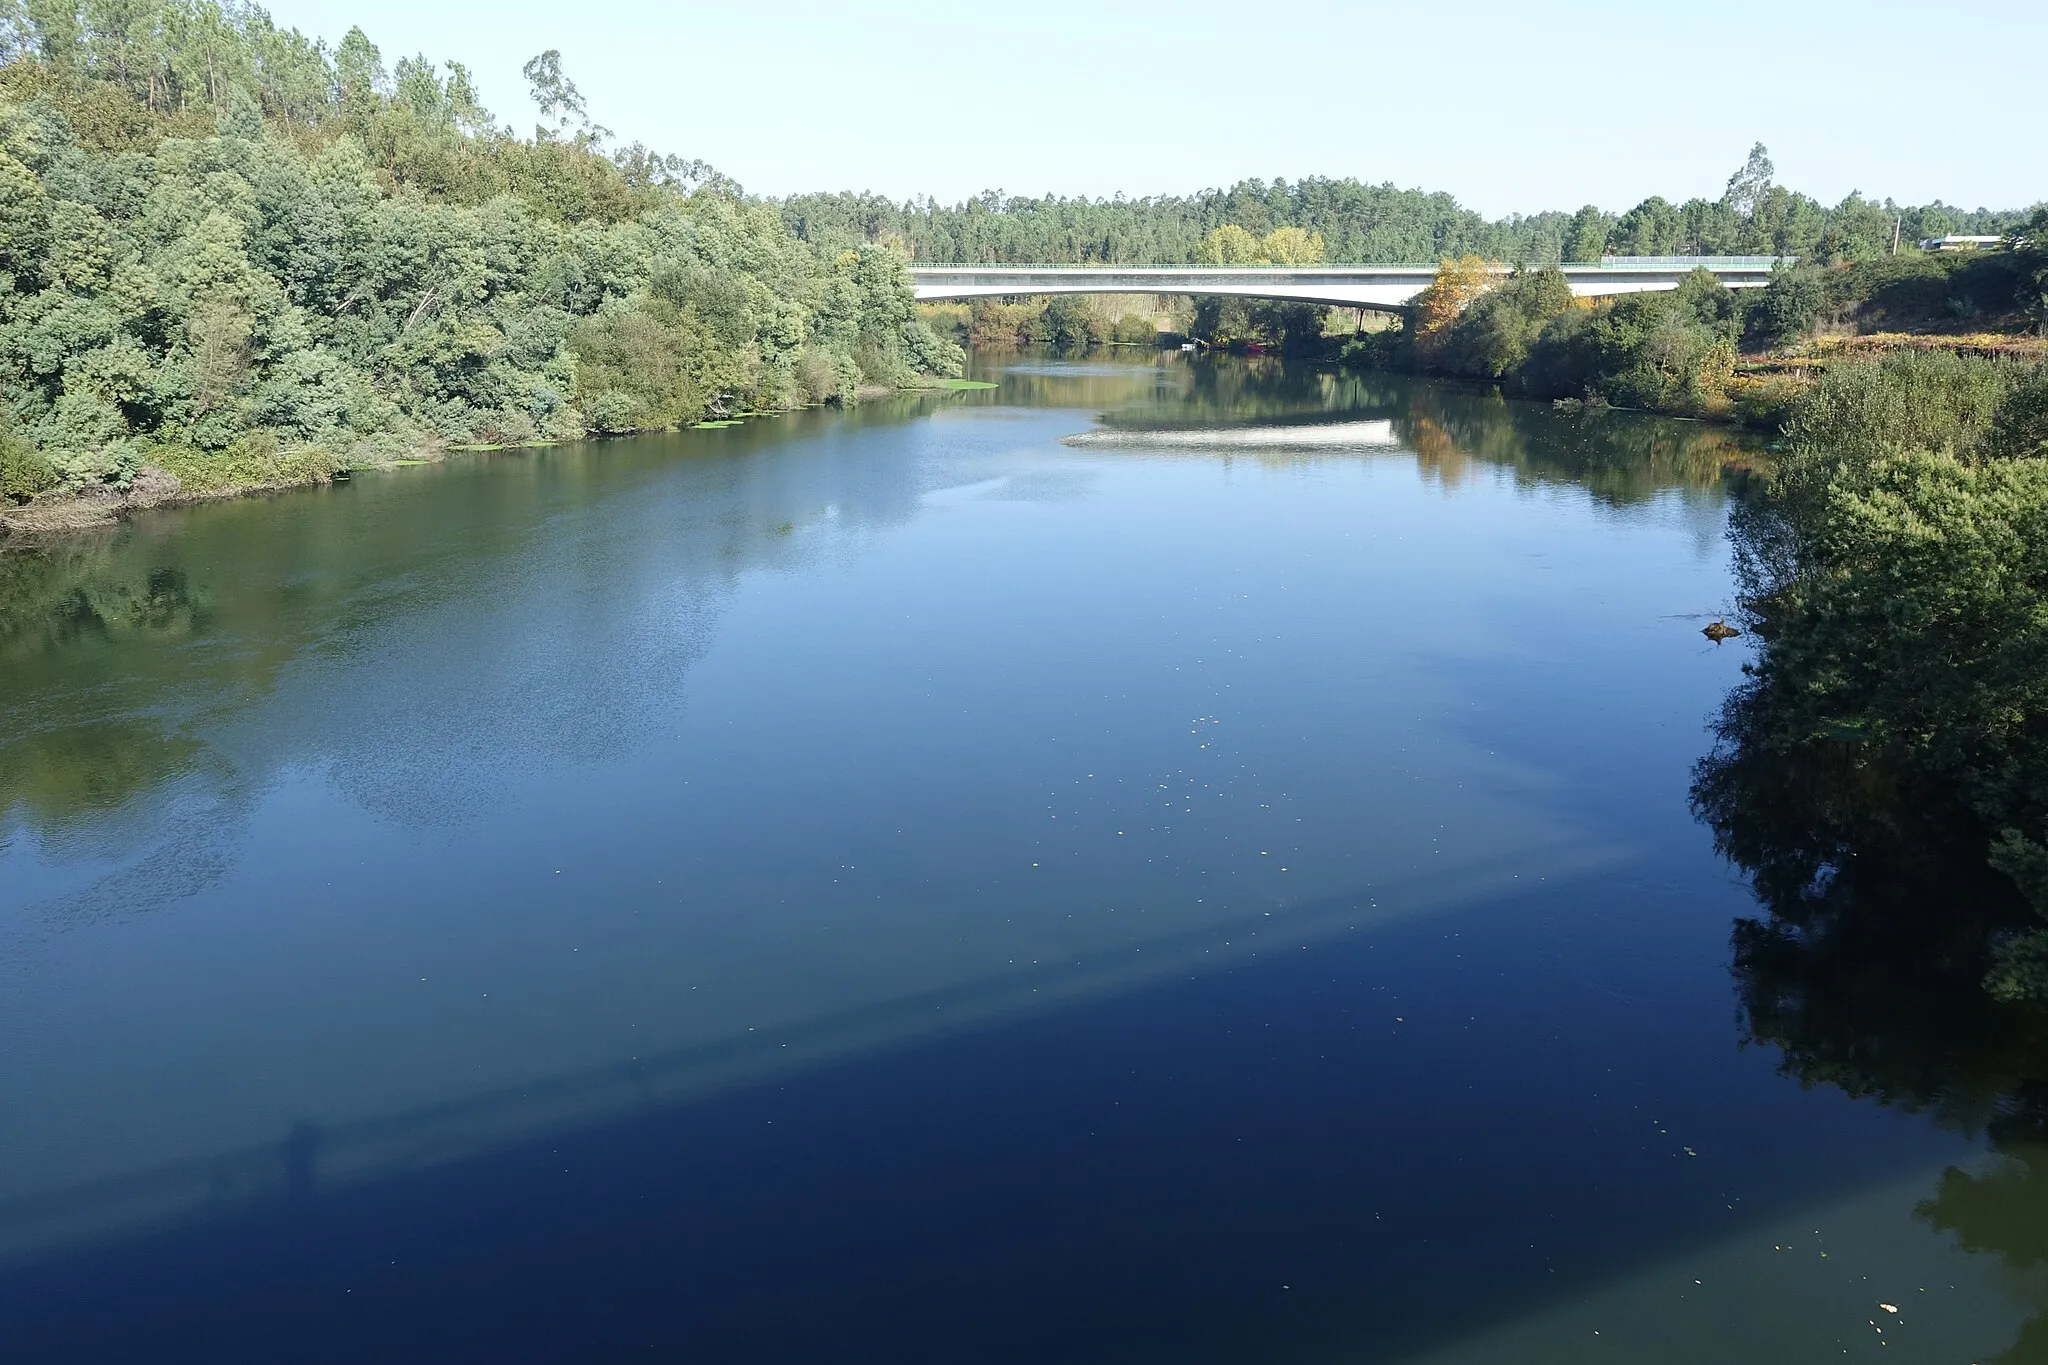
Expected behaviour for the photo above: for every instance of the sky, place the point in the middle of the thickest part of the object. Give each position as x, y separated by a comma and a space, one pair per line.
1511, 108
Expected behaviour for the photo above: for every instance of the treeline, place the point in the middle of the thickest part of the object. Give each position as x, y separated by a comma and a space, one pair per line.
237, 257
1379, 223
1894, 728
1358, 222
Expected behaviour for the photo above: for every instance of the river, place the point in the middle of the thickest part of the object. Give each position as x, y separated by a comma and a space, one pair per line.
1163, 859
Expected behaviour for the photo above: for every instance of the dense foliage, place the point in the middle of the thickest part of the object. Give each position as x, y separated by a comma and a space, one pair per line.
1379, 223
238, 256
1913, 291
1062, 320
1897, 572
1677, 351
1666, 351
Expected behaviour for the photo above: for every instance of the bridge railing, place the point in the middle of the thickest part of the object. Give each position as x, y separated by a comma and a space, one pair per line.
1113, 265
1680, 262
1604, 263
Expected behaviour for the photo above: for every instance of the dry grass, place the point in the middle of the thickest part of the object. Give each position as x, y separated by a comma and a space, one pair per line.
1877, 343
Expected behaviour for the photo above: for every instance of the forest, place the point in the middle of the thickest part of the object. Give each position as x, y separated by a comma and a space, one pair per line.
1361, 223
233, 257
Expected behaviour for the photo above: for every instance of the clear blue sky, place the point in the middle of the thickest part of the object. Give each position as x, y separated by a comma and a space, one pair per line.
1509, 107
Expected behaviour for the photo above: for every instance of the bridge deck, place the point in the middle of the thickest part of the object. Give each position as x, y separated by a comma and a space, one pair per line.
1352, 286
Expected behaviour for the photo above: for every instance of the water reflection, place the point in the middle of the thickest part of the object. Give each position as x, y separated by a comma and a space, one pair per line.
64, 757
347, 725
2001, 1210
1176, 861
176, 648
186, 659
1865, 969
1621, 457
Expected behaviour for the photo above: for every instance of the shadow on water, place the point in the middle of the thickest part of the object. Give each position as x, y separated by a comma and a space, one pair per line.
1217, 1167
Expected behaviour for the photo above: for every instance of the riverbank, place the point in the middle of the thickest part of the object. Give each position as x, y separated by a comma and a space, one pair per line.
1703, 350
61, 512
243, 300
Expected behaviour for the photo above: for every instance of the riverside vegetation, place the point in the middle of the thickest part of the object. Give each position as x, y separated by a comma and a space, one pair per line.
231, 257
1883, 774
1703, 351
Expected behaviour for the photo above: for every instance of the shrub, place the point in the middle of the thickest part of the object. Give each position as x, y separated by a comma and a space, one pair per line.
1133, 330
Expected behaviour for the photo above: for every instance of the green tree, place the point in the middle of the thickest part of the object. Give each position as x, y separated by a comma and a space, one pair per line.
1792, 302
2029, 245
1654, 227
1586, 237
1493, 337
226, 253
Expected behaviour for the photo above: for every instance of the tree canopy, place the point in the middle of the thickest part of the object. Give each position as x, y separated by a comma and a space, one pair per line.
236, 255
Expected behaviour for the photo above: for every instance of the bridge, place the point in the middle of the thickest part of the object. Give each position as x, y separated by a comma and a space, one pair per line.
1386, 287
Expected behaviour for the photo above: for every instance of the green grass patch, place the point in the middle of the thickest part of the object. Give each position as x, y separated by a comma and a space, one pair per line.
707, 426
958, 384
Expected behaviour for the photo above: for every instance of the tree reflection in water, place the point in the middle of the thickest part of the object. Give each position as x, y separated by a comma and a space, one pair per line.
65, 757
1865, 968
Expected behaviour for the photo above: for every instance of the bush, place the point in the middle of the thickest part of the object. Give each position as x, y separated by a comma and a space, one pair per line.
1494, 336
256, 459
1069, 321
1133, 330
1907, 400
2020, 426
24, 470
1791, 304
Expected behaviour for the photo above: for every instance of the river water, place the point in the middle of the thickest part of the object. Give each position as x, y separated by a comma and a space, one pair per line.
1162, 859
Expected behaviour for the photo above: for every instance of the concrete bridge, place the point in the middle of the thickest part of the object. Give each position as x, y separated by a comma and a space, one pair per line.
1385, 287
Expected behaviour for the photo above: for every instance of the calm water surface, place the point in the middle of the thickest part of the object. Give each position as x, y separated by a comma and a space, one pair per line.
906, 886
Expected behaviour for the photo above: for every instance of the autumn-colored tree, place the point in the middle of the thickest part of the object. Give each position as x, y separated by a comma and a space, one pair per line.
1291, 246
1229, 245
1458, 281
